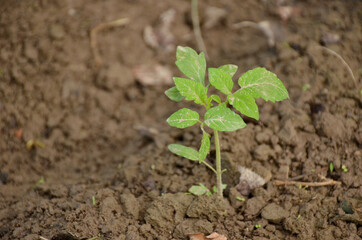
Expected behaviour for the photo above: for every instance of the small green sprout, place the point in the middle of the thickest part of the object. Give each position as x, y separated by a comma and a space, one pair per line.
299, 216
40, 181
242, 199
331, 167
344, 168
96, 237
305, 87
32, 143
93, 200
120, 165
256, 83
257, 226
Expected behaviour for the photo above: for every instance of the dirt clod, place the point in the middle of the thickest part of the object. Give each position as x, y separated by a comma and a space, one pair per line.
274, 213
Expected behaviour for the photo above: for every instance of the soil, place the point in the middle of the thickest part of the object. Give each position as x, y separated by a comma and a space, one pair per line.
106, 168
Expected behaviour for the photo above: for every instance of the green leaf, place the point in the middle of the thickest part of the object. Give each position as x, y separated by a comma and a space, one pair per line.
191, 64
229, 69
222, 118
216, 98
221, 80
199, 190
260, 82
183, 118
213, 97
184, 151
205, 147
191, 90
245, 104
174, 94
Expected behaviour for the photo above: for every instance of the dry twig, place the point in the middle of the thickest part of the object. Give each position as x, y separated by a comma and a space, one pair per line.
342, 60
266, 27
309, 184
93, 37
196, 26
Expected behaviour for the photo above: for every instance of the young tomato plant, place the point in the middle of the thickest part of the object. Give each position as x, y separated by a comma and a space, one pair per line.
253, 84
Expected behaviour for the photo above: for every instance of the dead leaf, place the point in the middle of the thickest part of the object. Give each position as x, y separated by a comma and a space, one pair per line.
248, 181
216, 236
273, 31
197, 236
212, 236
152, 75
213, 16
287, 12
330, 38
19, 133
160, 37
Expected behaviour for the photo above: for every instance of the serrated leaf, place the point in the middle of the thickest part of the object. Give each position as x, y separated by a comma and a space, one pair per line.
191, 90
222, 118
191, 64
229, 69
184, 151
244, 103
221, 80
174, 94
205, 147
260, 82
183, 118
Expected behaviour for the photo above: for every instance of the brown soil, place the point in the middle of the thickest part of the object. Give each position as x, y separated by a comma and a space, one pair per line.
105, 134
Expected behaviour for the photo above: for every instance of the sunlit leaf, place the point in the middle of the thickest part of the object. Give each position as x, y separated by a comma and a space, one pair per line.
222, 118
221, 80
183, 118
244, 103
260, 82
191, 90
191, 64
229, 69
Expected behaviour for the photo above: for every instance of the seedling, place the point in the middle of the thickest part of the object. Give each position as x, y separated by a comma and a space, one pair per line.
257, 226
32, 143
40, 181
344, 168
305, 87
331, 167
93, 200
96, 237
255, 83
241, 199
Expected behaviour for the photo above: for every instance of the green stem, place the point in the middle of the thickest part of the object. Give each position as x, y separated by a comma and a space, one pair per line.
209, 166
218, 165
